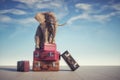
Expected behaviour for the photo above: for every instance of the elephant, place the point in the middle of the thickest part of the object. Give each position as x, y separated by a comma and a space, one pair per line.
46, 30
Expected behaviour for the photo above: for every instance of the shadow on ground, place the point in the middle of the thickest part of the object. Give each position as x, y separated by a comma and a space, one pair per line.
15, 69
64, 70
9, 69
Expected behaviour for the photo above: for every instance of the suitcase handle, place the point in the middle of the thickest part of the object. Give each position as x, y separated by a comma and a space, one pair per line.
60, 57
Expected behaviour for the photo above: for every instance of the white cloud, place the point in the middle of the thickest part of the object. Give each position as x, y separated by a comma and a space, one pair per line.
93, 18
26, 21
101, 18
13, 11
49, 4
21, 6
5, 19
42, 6
89, 12
40, 3
28, 2
116, 6
83, 6
81, 16
56, 4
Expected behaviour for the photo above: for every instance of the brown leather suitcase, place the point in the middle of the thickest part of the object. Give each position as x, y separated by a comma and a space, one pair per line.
23, 66
49, 66
70, 61
36, 66
45, 65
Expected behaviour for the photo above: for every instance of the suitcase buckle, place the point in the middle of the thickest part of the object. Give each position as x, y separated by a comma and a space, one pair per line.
67, 55
53, 64
51, 54
75, 65
37, 55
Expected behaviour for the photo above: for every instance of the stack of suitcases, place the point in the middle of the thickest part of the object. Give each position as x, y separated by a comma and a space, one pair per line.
46, 59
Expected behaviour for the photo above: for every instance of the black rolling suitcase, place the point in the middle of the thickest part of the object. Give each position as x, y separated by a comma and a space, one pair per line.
70, 61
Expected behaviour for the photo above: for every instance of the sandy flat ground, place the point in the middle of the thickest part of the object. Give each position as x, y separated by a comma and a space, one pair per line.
83, 73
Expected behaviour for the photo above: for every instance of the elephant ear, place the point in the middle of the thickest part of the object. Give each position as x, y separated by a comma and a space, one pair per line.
40, 17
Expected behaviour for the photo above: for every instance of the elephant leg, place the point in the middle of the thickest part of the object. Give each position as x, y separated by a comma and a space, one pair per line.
53, 35
37, 41
46, 36
50, 37
53, 39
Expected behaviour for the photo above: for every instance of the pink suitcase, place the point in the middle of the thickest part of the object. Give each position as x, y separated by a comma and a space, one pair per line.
49, 47
46, 55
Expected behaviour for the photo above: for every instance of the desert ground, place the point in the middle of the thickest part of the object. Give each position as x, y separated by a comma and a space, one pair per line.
82, 73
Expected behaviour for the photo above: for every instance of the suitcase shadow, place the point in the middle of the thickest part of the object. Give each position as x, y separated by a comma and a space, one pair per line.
9, 69
15, 70
64, 70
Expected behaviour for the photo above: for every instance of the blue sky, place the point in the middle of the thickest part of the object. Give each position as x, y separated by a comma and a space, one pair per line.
91, 35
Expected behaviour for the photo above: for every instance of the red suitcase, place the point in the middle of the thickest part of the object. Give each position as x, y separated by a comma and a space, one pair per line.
49, 55
45, 65
36, 55
46, 55
23, 66
49, 47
